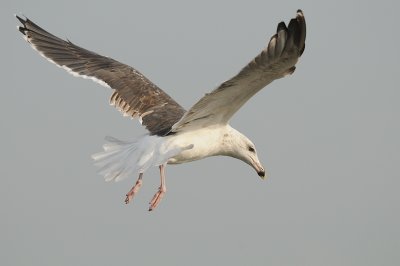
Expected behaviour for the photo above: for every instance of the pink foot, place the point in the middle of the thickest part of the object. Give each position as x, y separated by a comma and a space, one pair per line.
157, 198
134, 189
161, 190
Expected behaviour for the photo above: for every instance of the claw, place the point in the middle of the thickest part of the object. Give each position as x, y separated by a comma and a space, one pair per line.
157, 198
161, 190
134, 189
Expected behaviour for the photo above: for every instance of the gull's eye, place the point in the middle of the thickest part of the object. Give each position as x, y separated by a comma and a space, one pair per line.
251, 149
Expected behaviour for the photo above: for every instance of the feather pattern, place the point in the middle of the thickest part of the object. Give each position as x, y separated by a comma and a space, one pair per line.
277, 60
134, 95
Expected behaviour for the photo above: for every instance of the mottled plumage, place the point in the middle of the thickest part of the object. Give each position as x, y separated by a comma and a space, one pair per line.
277, 60
175, 136
134, 95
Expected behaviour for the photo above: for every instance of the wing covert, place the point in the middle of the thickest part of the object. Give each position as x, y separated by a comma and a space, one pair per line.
277, 60
134, 95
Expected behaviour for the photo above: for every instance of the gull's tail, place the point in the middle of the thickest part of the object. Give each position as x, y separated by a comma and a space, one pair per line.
121, 159
118, 160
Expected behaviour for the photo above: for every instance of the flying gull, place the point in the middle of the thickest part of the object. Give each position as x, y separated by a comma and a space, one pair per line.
174, 135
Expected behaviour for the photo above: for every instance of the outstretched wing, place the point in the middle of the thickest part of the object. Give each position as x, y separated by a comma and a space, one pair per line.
277, 60
134, 95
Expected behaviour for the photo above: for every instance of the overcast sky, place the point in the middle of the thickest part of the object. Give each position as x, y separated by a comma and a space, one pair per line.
328, 136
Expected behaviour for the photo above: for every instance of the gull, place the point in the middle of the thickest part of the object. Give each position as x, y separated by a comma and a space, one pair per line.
175, 135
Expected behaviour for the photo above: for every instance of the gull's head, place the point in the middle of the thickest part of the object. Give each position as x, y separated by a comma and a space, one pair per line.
243, 149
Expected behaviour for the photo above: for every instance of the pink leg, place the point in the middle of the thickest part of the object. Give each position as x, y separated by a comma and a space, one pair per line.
134, 189
161, 191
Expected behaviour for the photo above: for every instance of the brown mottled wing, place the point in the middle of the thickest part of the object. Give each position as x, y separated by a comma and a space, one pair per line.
277, 60
134, 94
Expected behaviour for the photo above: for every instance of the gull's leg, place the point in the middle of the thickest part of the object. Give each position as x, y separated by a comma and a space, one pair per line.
161, 190
134, 189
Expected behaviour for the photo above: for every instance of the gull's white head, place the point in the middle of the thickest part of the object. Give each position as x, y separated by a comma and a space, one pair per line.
240, 147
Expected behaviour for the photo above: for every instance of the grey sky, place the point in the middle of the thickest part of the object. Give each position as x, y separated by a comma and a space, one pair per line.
328, 136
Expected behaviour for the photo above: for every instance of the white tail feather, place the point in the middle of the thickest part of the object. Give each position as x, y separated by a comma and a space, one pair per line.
121, 159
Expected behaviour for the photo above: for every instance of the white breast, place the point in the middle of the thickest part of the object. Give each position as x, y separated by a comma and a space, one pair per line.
206, 142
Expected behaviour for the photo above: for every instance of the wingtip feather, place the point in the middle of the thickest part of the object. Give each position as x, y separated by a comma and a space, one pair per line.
23, 21
22, 28
302, 25
281, 26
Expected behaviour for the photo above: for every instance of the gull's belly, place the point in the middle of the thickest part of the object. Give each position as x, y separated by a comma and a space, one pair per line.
206, 142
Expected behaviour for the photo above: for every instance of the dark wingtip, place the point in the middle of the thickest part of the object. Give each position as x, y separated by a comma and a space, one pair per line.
294, 29
281, 26
297, 29
21, 29
302, 23
23, 21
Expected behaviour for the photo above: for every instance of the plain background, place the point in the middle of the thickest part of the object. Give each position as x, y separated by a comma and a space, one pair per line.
328, 136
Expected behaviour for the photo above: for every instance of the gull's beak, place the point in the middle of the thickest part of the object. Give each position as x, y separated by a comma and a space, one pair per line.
261, 174
255, 163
